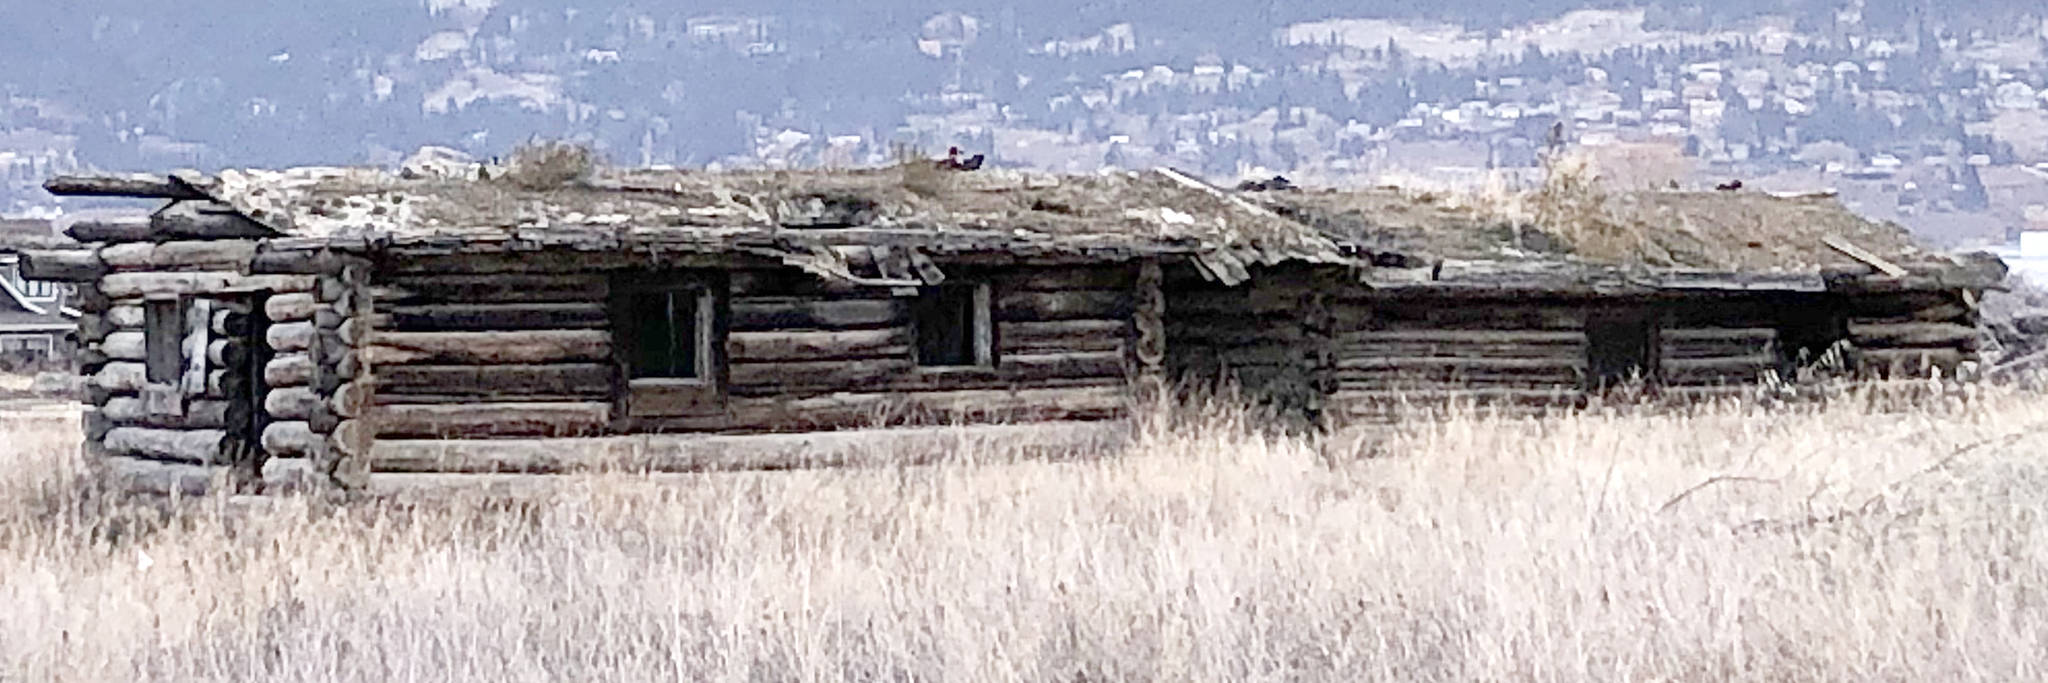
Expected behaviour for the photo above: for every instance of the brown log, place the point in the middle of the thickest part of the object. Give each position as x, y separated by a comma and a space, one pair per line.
477, 420
352, 399
474, 289
290, 440
289, 370
1560, 352
702, 453
142, 185
1355, 398
200, 446
798, 376
205, 220
290, 337
353, 439
284, 308
1064, 365
1256, 299
113, 230
870, 409
452, 348
1062, 335
121, 378
497, 380
1499, 364
153, 285
516, 316
1910, 360
763, 314
289, 262
1071, 305
1893, 335
126, 411
66, 265
1746, 366
156, 478
294, 403
124, 346
747, 347
1519, 337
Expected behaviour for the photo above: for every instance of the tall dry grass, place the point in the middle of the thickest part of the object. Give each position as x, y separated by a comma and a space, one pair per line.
1714, 544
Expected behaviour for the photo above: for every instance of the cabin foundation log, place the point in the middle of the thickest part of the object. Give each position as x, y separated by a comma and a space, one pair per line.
201, 446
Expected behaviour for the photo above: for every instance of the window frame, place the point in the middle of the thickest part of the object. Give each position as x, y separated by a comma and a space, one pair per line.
982, 335
163, 339
670, 396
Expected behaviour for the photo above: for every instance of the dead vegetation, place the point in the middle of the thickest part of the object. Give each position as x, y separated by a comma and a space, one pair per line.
540, 165
1861, 540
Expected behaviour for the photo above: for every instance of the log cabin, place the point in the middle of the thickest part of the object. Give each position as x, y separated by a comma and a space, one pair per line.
349, 326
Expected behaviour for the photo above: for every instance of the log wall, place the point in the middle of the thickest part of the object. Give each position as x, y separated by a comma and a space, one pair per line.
1269, 337
1392, 350
460, 354
1913, 334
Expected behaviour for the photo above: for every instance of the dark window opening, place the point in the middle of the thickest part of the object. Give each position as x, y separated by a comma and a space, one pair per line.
670, 333
1619, 348
953, 326
163, 335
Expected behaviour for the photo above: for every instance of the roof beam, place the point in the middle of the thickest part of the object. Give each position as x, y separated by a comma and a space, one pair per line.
141, 185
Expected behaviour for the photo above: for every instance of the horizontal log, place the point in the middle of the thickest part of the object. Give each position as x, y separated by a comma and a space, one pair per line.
1561, 352
219, 255
791, 282
122, 378
516, 316
222, 353
353, 439
811, 375
764, 314
705, 453
146, 186
136, 476
353, 399
843, 410
1748, 366
455, 348
1069, 305
1573, 363
229, 322
152, 285
125, 315
126, 411
292, 403
290, 261
199, 446
289, 370
290, 439
1890, 335
1712, 334
749, 347
1117, 277
1516, 337
508, 288
205, 220
295, 307
1910, 360
1354, 398
1927, 312
289, 337
1063, 365
134, 229
497, 380
65, 265
1061, 335
479, 420
1248, 300
125, 346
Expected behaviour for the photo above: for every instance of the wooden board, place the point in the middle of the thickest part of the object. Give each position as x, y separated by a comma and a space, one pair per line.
488, 348
569, 379
477, 420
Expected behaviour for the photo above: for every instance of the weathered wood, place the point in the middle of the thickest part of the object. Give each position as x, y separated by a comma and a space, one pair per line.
205, 220
95, 421
1516, 337
289, 370
745, 347
290, 439
1070, 305
1714, 334
477, 420
1061, 335
113, 230
455, 348
199, 446
1458, 350
1497, 364
1859, 253
290, 337
192, 380
1116, 278
223, 353
156, 478
125, 346
1353, 398
497, 380
764, 314
1686, 350
213, 255
1062, 365
122, 378
66, 265
353, 439
125, 316
515, 316
286, 308
143, 185
154, 285
293, 403
1749, 365
870, 409
701, 453
795, 376
352, 399
289, 262
1889, 335
127, 411
89, 298
408, 290
1912, 360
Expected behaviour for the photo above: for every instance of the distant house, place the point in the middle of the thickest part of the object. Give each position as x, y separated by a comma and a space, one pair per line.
37, 329
364, 327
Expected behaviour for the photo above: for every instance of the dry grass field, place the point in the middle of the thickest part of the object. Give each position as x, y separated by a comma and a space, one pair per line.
1854, 541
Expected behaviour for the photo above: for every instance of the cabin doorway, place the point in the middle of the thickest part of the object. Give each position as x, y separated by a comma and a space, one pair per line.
1620, 348
245, 325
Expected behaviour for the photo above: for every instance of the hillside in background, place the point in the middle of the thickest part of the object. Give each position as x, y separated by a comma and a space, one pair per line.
1935, 118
